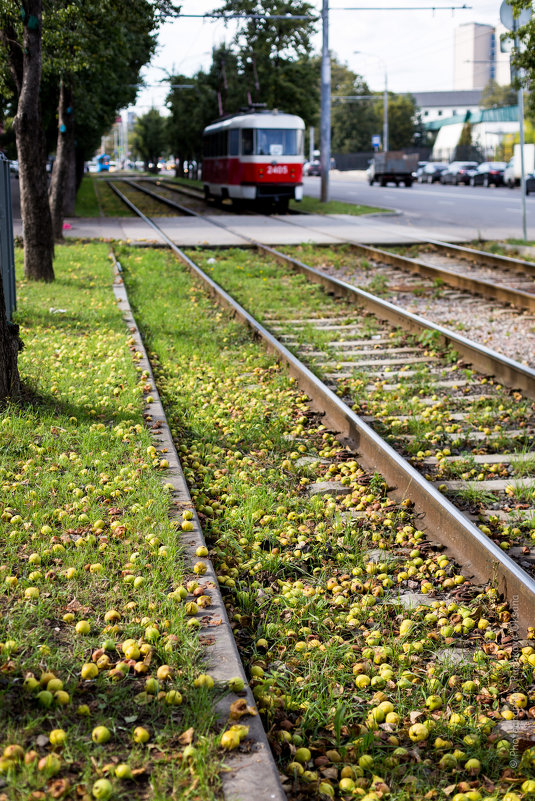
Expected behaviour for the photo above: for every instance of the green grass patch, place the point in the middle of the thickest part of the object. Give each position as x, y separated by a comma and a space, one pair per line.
89, 564
86, 199
109, 203
313, 205
195, 184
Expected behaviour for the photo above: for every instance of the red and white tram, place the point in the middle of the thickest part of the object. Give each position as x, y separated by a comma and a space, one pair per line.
254, 156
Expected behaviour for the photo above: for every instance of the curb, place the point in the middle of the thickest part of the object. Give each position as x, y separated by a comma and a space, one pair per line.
246, 774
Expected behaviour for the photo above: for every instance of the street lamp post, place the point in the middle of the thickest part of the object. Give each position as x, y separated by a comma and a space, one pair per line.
385, 96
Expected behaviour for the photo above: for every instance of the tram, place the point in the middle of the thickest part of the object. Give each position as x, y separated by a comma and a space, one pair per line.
255, 156
103, 163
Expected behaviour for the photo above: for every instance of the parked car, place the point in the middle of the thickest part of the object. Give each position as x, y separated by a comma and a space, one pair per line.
432, 171
14, 168
487, 173
417, 174
530, 183
313, 167
458, 172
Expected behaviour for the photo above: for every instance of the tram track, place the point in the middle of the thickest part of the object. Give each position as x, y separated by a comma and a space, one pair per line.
344, 372
514, 284
497, 278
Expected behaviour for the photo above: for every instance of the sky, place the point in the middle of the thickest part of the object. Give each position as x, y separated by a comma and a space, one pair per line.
415, 47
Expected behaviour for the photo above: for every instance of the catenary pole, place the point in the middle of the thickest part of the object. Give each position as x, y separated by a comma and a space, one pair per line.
325, 129
521, 126
385, 114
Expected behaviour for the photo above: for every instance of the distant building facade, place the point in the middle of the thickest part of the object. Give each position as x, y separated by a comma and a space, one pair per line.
441, 105
478, 58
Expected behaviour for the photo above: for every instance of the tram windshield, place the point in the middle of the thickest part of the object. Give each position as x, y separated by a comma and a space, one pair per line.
272, 142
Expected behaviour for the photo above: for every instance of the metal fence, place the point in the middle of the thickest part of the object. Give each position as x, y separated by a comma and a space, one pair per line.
7, 254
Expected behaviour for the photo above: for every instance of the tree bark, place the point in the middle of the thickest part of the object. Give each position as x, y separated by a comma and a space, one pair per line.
9, 349
64, 166
69, 197
31, 148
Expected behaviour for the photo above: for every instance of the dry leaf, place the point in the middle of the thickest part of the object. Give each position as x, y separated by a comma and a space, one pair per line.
330, 773
239, 708
59, 787
187, 737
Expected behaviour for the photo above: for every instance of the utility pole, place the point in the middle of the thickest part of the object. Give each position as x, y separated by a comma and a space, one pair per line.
325, 130
522, 164
385, 114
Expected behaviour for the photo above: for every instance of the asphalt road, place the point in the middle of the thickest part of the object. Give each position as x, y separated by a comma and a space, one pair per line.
492, 212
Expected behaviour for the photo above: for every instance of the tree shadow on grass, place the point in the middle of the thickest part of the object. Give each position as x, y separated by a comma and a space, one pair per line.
46, 403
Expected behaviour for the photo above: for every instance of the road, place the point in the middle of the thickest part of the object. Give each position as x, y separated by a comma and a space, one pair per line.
489, 212
460, 211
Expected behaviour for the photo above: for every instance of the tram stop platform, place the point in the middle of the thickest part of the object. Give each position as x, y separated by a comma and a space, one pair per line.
234, 230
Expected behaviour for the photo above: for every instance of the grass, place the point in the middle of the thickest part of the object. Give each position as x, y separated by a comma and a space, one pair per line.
328, 646
183, 181
312, 205
86, 199
89, 556
109, 204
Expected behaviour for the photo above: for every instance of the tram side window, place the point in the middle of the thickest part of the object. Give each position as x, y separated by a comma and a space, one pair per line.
247, 141
234, 142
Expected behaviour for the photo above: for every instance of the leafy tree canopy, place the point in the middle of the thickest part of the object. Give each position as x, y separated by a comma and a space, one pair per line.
357, 113
149, 138
495, 95
99, 46
274, 56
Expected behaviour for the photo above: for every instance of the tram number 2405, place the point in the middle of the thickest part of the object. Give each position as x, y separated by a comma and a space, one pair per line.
281, 169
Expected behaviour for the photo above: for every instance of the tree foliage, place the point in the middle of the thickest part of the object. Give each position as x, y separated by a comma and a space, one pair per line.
149, 139
274, 56
494, 96
353, 114
357, 113
402, 120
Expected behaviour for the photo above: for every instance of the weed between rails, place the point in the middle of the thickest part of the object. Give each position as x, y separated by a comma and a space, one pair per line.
98, 662
378, 668
403, 415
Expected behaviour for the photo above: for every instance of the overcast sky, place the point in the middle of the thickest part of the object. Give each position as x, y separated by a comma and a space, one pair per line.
416, 46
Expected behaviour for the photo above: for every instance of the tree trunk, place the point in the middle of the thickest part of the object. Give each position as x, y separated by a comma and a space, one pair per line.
79, 168
64, 165
9, 348
69, 197
31, 148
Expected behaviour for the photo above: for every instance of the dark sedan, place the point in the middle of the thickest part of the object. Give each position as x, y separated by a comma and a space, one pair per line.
490, 172
530, 183
458, 172
431, 172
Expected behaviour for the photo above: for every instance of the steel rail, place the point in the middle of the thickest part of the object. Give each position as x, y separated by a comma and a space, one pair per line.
507, 371
483, 257
155, 196
199, 195
488, 289
190, 191
444, 522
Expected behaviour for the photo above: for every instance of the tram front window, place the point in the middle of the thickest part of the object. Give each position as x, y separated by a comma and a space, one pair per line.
278, 142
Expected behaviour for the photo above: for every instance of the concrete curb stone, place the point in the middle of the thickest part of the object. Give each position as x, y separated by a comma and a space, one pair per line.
250, 772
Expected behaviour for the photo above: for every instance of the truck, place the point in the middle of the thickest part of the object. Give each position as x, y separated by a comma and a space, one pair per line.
392, 166
512, 173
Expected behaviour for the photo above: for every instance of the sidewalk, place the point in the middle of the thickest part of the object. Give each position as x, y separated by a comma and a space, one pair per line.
271, 230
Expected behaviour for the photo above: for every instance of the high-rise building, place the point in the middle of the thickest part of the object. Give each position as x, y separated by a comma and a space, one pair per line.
477, 56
